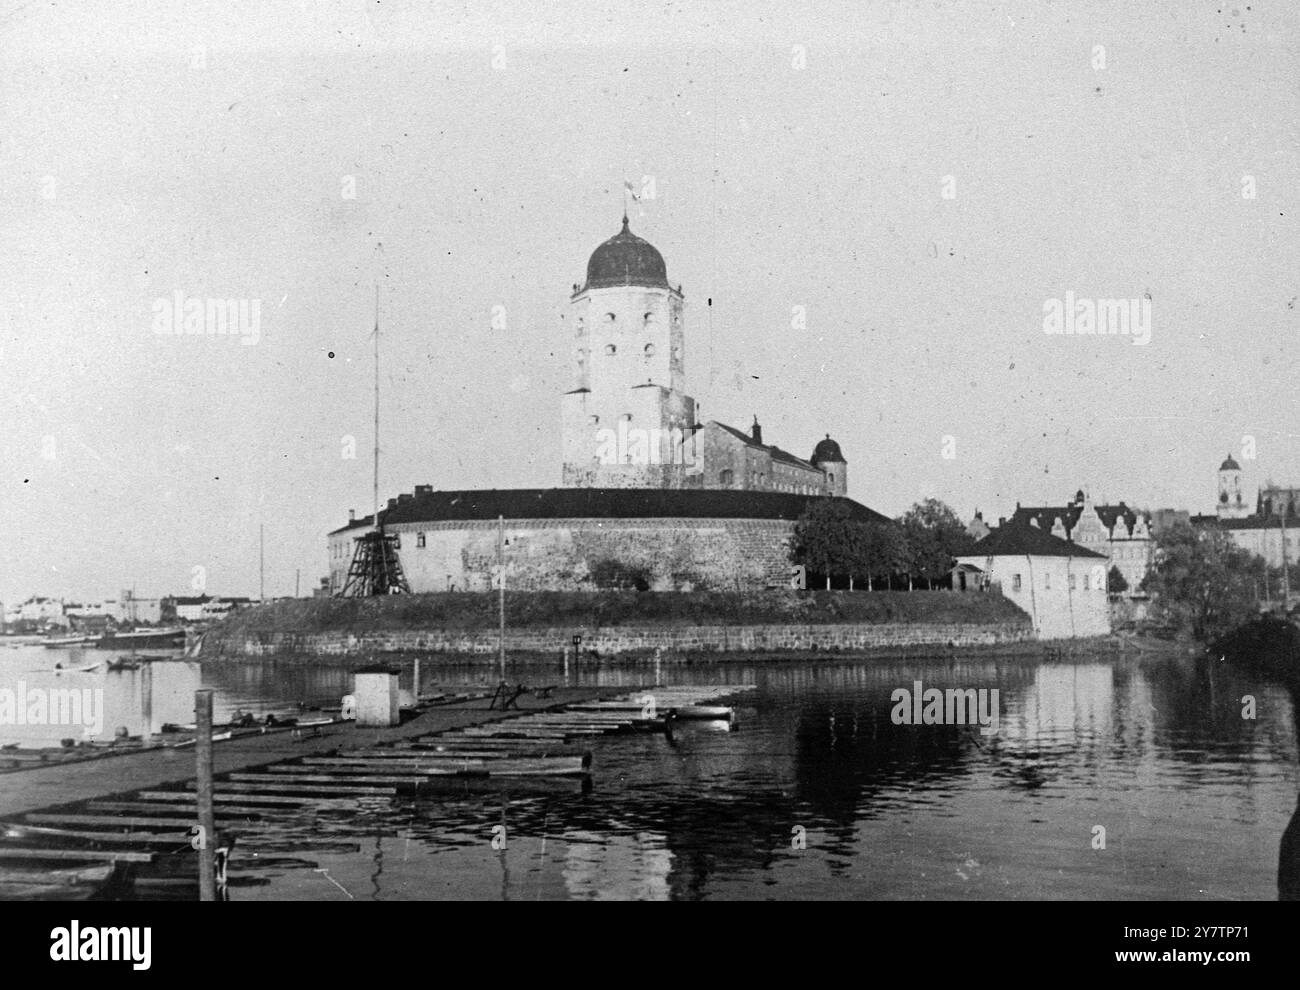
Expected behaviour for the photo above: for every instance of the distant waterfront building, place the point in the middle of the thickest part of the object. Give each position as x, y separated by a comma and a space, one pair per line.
648, 491
41, 611
1060, 584
1120, 534
1272, 531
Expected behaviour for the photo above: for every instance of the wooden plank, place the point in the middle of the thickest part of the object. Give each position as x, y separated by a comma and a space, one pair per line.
424, 756
269, 799
232, 814
443, 759
103, 821
111, 855
315, 776
323, 791
37, 832
427, 768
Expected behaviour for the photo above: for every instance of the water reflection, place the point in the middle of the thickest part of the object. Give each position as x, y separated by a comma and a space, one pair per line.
1193, 797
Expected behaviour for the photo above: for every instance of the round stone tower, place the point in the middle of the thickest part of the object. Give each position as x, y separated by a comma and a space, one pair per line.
827, 456
627, 420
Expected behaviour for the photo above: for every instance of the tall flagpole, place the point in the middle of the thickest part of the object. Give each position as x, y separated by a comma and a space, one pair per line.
376, 516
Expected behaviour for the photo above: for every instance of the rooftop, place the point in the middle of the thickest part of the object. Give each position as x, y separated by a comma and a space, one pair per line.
601, 503
1023, 540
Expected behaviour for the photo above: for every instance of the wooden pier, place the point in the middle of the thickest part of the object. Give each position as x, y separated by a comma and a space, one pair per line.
139, 813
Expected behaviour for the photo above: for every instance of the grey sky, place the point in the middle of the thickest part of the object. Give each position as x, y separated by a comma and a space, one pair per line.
488, 148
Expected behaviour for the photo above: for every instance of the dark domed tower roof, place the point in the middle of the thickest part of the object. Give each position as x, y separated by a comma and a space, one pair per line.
626, 259
1229, 465
827, 450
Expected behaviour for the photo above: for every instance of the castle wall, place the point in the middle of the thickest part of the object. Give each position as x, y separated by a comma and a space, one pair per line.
559, 554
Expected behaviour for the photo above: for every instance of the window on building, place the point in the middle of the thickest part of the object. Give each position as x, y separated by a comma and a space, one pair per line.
397, 541
725, 477
1015, 582
649, 350
1085, 582
419, 539
1073, 583
1047, 580
610, 349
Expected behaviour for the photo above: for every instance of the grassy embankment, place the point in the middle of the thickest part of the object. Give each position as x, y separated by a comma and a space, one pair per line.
466, 611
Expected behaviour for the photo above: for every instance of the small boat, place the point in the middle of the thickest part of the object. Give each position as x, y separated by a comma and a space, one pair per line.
84, 669
65, 883
61, 642
141, 637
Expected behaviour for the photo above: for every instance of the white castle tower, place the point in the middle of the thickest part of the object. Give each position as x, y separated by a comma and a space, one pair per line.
627, 420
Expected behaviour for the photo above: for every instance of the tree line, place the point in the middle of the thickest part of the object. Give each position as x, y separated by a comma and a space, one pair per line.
914, 550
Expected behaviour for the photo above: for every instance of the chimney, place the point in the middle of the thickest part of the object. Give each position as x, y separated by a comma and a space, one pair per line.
392, 503
756, 431
352, 515
1002, 520
405, 497
424, 489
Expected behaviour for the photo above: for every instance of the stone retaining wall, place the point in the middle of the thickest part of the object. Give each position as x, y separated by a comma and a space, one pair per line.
630, 639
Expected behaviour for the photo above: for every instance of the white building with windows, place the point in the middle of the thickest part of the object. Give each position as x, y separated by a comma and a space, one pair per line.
1059, 584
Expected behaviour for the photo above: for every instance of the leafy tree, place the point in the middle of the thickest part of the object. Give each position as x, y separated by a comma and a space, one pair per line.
876, 550
935, 535
1203, 582
1115, 583
823, 539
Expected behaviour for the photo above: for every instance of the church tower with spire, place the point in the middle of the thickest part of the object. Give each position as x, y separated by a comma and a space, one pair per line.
627, 420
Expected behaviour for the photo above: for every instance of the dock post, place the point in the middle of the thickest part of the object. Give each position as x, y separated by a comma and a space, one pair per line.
566, 666
146, 697
207, 819
415, 679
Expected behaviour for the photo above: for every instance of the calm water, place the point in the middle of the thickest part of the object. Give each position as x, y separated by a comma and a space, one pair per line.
1194, 798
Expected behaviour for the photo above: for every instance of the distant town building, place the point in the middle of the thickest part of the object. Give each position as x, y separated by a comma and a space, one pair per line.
1272, 531
41, 612
1120, 534
1276, 502
977, 527
1060, 584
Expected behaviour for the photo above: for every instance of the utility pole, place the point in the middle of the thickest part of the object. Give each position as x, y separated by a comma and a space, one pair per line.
1286, 567
501, 594
376, 515
297, 579
261, 562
